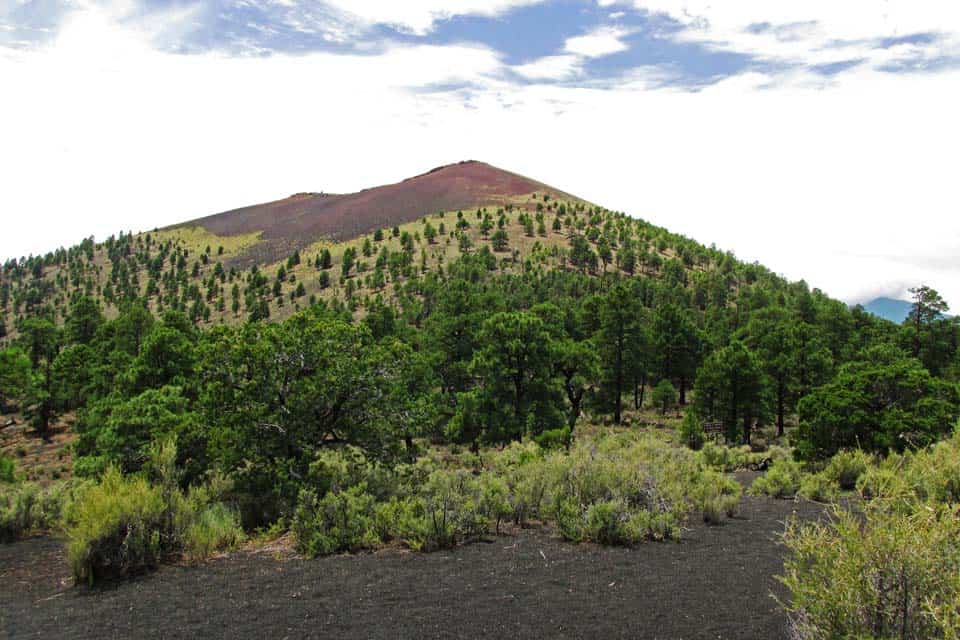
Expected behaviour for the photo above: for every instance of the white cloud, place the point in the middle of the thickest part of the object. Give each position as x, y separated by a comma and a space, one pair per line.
600, 42
848, 184
815, 32
419, 16
561, 67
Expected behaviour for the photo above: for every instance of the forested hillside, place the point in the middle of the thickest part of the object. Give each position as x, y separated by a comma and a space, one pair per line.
427, 381
516, 318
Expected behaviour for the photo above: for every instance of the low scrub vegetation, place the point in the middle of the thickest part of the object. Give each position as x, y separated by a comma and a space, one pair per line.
719, 496
616, 490
846, 467
782, 480
888, 568
818, 487
892, 575
123, 525
27, 508
725, 458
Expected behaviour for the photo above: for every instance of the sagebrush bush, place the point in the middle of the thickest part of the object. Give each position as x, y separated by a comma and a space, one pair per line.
124, 525
216, 528
819, 487
115, 529
723, 458
447, 509
931, 474
341, 520
27, 508
934, 473
890, 574
618, 490
718, 496
782, 480
846, 467
528, 477
883, 480
622, 492
17, 511
427, 512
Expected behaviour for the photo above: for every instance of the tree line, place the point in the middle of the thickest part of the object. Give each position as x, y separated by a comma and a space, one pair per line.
477, 356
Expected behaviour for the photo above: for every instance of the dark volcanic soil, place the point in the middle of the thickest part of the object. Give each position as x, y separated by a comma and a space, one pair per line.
716, 583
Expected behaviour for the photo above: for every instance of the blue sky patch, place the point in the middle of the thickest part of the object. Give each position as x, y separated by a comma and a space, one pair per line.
519, 36
833, 68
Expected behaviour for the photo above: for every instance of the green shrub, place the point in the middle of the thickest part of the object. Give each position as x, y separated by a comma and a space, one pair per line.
819, 487
931, 474
554, 438
342, 520
26, 508
17, 511
723, 458
7, 469
884, 481
617, 490
527, 475
338, 469
403, 520
450, 507
453, 509
782, 480
495, 501
124, 525
611, 522
621, 492
882, 574
718, 496
215, 529
115, 529
934, 473
691, 431
846, 467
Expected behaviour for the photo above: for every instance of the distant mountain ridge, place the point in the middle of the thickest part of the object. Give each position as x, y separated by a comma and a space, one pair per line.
890, 309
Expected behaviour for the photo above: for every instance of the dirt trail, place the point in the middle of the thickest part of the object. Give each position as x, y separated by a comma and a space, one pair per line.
716, 583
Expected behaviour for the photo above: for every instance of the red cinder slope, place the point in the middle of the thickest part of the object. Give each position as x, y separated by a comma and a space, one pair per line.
299, 220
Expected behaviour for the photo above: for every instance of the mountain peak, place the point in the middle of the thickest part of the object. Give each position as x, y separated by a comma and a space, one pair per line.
295, 222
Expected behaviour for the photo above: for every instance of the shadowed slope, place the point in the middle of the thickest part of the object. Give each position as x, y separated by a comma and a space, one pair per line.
299, 220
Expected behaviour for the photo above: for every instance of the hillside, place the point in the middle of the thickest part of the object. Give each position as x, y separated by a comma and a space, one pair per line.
268, 260
291, 224
452, 376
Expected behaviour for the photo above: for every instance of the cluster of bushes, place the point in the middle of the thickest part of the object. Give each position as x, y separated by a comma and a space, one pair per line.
620, 493
931, 474
888, 568
123, 525
425, 510
27, 508
782, 480
840, 474
787, 478
727, 459
613, 491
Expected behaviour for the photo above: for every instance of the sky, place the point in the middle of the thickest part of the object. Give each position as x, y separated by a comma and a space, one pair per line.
817, 137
